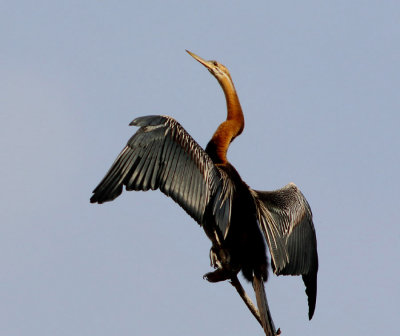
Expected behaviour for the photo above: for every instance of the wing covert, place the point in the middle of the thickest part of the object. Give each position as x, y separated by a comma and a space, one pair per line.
162, 155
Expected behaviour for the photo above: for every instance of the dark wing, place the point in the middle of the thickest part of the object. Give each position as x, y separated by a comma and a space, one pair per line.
161, 154
286, 220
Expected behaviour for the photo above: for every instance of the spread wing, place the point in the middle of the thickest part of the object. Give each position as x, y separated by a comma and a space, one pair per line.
286, 220
162, 155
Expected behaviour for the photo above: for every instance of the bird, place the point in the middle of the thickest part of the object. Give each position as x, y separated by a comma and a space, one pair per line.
240, 221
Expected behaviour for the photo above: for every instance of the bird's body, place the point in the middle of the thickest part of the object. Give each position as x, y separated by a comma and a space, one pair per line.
244, 247
237, 219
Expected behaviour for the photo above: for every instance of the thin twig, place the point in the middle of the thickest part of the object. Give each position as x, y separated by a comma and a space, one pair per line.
246, 299
234, 281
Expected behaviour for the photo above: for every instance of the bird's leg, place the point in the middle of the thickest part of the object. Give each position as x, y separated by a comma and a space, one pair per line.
220, 260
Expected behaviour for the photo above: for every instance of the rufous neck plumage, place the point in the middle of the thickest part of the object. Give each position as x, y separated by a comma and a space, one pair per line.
232, 126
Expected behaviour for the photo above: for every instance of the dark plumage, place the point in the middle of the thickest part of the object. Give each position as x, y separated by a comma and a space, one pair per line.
237, 219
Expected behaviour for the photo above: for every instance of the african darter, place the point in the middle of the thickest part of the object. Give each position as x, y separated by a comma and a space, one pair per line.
237, 219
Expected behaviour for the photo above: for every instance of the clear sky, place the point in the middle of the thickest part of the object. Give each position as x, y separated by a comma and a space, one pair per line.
319, 84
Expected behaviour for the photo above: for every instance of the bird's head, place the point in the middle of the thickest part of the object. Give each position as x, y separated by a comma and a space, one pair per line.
219, 71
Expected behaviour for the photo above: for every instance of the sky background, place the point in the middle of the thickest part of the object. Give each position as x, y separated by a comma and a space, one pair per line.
319, 85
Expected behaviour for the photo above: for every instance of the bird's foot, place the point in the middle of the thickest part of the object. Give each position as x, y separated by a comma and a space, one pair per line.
218, 275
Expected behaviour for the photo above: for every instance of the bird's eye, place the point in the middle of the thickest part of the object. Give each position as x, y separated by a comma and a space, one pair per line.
215, 63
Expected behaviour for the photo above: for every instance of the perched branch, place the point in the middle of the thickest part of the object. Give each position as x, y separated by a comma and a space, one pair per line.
246, 299
224, 272
234, 281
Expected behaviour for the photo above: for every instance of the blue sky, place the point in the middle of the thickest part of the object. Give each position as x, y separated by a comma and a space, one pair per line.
318, 82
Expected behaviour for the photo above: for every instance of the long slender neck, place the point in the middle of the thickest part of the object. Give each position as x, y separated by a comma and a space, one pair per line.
234, 109
230, 128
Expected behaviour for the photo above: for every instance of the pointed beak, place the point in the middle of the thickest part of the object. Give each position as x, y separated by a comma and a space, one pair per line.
207, 64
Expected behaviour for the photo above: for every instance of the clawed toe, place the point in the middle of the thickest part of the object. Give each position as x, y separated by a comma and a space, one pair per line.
218, 275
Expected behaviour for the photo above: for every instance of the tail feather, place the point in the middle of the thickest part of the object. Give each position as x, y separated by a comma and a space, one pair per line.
262, 304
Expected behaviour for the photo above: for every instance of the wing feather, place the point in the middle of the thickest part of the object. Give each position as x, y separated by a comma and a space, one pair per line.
285, 218
162, 155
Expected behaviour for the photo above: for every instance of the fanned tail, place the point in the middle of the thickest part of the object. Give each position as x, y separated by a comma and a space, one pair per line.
262, 304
